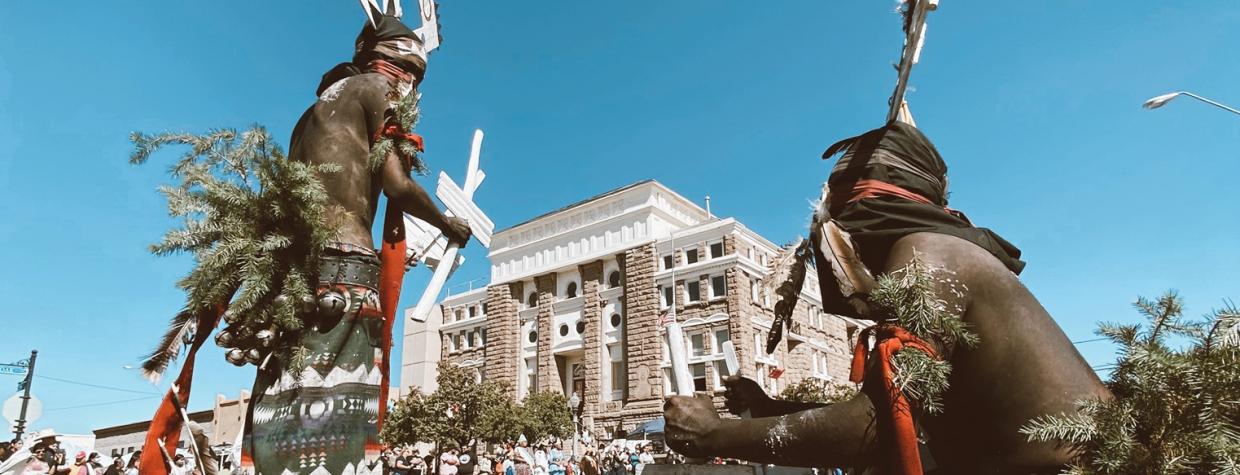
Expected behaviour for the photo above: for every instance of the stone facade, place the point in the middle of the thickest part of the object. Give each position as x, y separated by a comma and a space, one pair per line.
578, 296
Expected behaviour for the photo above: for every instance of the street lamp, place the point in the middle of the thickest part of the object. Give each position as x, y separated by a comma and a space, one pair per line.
573, 405
1162, 100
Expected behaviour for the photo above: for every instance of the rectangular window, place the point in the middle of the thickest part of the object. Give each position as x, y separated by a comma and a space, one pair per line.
753, 290
473, 339
691, 256
484, 308
693, 291
669, 261
473, 311
699, 376
721, 371
718, 286
669, 389
758, 347
721, 335
531, 373
618, 377
465, 341
716, 250
697, 342
667, 297
484, 337
759, 371
452, 343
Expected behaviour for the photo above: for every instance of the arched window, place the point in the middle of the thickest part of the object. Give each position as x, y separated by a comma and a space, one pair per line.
531, 300
572, 290
613, 279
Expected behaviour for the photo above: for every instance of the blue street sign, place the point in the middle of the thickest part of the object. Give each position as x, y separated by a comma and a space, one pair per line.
14, 370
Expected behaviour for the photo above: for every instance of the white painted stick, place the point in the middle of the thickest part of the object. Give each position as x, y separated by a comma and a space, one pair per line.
734, 365
448, 263
680, 359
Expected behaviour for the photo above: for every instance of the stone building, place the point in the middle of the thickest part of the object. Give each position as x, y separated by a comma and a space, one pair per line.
576, 297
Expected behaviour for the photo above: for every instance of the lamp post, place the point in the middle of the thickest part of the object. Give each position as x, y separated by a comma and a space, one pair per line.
1162, 100
573, 405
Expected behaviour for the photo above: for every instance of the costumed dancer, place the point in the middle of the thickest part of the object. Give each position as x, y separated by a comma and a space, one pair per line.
884, 211
888, 201
326, 419
320, 394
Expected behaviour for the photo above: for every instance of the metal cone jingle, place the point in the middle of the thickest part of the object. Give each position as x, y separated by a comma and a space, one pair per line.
331, 304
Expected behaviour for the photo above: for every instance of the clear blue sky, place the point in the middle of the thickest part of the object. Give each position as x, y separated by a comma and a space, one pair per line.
1035, 106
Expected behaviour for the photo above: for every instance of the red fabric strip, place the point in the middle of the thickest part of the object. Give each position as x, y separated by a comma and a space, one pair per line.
389, 70
903, 438
391, 276
166, 424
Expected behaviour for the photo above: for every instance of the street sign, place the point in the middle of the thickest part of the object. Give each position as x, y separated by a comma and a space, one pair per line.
14, 369
13, 409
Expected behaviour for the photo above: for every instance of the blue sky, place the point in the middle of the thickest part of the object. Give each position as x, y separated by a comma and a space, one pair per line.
1034, 105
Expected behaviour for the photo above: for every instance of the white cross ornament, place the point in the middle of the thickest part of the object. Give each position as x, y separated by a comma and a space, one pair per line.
429, 244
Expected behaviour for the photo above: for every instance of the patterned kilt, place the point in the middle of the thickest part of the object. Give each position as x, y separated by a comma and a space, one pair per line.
324, 422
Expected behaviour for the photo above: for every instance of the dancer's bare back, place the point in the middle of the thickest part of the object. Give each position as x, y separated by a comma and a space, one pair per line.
338, 129
1023, 367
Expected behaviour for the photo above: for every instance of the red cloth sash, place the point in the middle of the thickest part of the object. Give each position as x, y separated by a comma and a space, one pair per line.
391, 276
869, 188
903, 437
391, 71
167, 423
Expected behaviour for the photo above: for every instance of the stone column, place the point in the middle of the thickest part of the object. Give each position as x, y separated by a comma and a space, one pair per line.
503, 335
548, 372
643, 350
591, 316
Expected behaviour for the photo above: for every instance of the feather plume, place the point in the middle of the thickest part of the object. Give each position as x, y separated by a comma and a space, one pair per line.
154, 365
784, 282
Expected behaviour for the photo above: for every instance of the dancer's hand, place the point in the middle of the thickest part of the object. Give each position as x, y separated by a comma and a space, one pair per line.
744, 394
691, 423
458, 231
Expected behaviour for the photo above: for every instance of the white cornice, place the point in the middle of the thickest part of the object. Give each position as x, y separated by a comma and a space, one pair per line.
467, 323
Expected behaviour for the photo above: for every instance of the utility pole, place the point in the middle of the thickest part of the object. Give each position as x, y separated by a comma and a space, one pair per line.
21, 421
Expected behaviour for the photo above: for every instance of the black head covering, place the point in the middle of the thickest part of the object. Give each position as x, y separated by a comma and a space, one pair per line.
388, 39
899, 154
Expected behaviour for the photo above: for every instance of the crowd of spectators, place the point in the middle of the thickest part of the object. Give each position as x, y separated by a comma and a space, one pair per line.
44, 456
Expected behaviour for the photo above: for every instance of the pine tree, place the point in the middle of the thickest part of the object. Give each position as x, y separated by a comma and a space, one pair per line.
255, 222
1176, 405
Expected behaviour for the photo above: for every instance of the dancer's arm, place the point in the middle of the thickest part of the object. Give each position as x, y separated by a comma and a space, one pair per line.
841, 434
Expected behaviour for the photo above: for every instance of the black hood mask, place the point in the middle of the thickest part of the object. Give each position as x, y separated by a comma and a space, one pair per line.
899, 154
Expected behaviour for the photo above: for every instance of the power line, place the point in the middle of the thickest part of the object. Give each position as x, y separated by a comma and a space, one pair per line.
1090, 340
102, 403
99, 386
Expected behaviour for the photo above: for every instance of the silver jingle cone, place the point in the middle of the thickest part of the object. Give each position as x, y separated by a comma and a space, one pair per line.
235, 356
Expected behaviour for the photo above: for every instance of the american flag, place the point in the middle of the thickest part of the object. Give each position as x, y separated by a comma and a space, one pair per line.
665, 317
